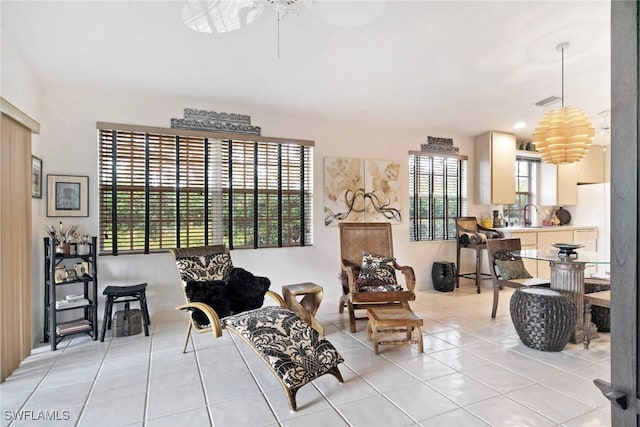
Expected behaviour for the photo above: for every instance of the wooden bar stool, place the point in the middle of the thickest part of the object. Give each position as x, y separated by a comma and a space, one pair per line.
471, 235
125, 294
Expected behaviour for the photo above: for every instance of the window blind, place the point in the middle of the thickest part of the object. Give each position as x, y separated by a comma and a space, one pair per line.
437, 195
164, 188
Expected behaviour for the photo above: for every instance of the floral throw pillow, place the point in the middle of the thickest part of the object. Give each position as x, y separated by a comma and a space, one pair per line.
377, 267
511, 269
203, 268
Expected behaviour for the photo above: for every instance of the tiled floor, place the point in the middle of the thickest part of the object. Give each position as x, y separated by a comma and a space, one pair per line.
474, 372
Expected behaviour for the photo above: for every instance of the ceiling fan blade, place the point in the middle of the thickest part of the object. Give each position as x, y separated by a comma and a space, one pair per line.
220, 16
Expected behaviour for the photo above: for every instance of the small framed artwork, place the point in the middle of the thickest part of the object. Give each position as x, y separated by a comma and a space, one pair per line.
36, 177
67, 195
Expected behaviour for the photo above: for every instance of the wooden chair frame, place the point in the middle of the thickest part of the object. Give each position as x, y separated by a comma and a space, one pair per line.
375, 238
215, 325
495, 245
600, 299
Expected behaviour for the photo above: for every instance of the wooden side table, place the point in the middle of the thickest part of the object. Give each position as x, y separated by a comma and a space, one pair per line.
394, 320
307, 307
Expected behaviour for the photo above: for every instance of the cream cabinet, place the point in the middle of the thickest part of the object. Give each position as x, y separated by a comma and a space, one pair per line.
495, 158
545, 239
528, 241
542, 238
558, 184
594, 167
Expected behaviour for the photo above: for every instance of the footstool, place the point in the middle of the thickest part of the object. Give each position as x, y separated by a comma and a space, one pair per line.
394, 320
544, 319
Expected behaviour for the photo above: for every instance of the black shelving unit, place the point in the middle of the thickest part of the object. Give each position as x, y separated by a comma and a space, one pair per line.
87, 321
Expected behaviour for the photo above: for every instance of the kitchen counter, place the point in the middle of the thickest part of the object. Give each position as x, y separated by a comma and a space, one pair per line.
542, 238
546, 228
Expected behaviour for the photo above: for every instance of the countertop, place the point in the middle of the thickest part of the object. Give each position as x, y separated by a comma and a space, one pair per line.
537, 229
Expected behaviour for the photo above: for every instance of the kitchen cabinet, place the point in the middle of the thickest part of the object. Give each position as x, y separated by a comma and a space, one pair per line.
545, 239
558, 184
527, 241
495, 158
542, 238
594, 167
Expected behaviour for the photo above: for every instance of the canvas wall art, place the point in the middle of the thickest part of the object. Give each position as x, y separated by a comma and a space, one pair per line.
359, 190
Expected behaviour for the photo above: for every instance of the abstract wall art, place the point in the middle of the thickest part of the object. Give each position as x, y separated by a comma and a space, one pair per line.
359, 190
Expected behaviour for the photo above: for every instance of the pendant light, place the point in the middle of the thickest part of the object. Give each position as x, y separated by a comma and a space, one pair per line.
563, 135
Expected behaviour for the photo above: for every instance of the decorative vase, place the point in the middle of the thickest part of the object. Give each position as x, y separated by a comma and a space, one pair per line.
83, 249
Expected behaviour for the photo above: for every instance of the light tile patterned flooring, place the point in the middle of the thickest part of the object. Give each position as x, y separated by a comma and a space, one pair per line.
474, 372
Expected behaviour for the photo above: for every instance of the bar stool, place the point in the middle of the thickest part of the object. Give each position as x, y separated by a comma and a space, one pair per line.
126, 294
471, 235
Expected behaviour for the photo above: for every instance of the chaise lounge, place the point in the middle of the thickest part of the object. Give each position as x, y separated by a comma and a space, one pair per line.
295, 352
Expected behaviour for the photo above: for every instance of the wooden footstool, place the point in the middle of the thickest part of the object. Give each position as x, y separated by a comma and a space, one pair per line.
307, 307
394, 320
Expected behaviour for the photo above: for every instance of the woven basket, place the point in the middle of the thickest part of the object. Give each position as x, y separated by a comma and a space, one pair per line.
544, 319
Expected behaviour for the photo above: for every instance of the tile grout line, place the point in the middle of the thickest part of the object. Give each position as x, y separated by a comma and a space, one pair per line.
31, 393
201, 376
93, 384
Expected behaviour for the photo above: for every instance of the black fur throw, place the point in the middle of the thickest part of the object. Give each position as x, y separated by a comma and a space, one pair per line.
213, 293
244, 290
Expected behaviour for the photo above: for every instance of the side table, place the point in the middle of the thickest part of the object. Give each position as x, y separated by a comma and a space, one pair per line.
307, 307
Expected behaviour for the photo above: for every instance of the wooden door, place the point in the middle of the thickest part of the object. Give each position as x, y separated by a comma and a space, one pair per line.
625, 216
15, 245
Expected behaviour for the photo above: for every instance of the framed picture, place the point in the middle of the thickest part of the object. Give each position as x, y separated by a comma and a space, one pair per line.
36, 177
67, 195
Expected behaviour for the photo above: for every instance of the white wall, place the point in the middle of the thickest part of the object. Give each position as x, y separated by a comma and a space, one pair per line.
69, 116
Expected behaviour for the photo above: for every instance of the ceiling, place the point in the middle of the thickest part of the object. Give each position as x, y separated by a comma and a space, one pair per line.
449, 66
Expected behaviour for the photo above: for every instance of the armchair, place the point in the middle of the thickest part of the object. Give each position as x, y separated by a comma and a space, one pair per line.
357, 238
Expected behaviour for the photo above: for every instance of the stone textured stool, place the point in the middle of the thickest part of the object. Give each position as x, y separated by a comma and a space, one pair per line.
126, 294
543, 318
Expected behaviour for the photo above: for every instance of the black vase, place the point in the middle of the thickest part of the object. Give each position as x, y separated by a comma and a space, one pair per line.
443, 274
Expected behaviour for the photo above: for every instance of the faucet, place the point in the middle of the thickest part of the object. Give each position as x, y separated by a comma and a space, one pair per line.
527, 222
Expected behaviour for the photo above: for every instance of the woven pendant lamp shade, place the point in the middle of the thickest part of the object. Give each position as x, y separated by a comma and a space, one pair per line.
563, 135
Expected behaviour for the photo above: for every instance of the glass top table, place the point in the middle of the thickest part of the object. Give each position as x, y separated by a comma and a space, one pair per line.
551, 255
567, 276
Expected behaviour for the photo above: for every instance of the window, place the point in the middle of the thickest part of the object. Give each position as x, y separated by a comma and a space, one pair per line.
525, 173
437, 194
165, 188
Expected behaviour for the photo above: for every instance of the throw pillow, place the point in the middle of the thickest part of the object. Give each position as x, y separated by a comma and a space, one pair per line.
511, 269
244, 290
213, 293
204, 268
377, 267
